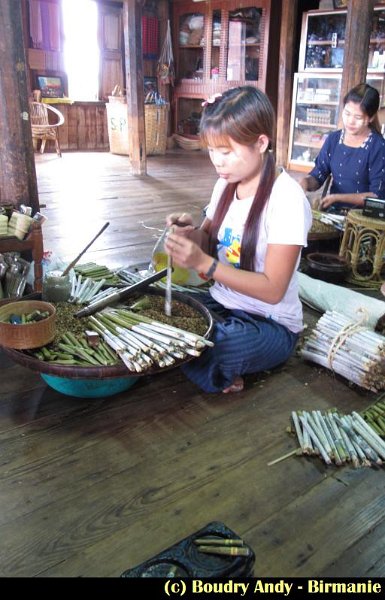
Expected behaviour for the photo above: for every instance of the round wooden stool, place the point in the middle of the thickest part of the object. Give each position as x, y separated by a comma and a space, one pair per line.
363, 246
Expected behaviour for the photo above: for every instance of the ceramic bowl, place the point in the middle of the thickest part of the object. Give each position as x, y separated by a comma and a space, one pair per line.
327, 266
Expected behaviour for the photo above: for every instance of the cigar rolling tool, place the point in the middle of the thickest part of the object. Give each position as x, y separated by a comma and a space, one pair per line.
76, 260
214, 551
120, 295
168, 293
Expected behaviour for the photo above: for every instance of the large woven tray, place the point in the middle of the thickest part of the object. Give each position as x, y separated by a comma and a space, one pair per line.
118, 370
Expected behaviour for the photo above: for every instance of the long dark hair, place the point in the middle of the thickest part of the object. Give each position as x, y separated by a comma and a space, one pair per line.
241, 114
368, 99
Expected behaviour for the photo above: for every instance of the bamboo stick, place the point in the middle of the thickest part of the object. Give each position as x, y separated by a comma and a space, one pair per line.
296, 451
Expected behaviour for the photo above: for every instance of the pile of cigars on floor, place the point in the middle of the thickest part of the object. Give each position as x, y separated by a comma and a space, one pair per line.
340, 439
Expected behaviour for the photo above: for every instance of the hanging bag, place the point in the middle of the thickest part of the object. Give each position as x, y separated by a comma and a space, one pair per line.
165, 67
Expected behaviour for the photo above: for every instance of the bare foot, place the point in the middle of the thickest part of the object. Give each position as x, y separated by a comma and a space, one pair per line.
236, 386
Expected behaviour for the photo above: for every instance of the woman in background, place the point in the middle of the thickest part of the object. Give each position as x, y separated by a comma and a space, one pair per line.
257, 223
354, 155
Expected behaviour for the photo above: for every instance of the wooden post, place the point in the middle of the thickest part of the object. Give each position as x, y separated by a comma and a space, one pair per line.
357, 36
132, 24
285, 78
18, 184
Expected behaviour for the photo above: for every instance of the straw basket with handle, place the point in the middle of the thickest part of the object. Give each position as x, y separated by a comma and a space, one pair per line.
156, 123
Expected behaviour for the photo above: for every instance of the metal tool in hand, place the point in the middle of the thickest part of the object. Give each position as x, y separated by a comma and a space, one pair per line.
159, 254
168, 295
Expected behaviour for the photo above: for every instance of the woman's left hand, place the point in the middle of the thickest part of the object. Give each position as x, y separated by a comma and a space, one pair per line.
355, 200
328, 201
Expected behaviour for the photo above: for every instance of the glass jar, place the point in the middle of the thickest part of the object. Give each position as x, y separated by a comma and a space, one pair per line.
180, 276
56, 287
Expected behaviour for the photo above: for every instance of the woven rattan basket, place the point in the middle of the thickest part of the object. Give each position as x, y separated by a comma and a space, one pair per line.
156, 123
28, 335
187, 142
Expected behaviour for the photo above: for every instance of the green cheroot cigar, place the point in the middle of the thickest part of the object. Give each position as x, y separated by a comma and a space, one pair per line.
218, 541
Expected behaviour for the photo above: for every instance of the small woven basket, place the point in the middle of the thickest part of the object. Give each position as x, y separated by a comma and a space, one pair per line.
27, 335
188, 142
156, 123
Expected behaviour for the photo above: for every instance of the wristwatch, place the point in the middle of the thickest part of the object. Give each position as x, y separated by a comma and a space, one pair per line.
208, 275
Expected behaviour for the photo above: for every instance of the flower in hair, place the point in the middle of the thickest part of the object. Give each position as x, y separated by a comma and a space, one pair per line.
212, 99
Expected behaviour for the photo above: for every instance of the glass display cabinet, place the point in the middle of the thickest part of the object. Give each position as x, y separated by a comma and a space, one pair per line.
243, 47
317, 85
314, 115
323, 41
218, 44
191, 27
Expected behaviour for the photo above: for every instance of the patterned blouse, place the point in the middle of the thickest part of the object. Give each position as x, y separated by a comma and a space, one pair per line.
353, 170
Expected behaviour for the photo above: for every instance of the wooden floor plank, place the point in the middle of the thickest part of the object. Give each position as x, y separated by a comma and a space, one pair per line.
315, 529
367, 556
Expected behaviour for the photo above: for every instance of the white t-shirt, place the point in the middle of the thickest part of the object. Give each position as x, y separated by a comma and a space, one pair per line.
285, 219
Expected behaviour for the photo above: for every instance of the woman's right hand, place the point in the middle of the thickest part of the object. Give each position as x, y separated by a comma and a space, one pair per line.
184, 252
180, 219
181, 224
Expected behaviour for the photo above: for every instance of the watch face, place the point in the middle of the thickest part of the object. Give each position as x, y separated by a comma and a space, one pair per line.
374, 208
374, 203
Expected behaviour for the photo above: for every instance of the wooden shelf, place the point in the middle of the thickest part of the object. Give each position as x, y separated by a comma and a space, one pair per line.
317, 103
300, 165
342, 42
243, 45
373, 41
323, 125
33, 242
308, 145
325, 43
377, 41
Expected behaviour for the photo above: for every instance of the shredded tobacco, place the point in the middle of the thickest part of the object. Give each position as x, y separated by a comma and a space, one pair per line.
183, 316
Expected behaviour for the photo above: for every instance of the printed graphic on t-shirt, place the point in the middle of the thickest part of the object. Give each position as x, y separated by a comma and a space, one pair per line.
232, 243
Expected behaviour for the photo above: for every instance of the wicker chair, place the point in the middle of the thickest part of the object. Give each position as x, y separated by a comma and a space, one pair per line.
42, 129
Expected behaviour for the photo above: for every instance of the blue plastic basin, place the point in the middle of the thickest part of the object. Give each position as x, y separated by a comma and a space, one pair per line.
89, 388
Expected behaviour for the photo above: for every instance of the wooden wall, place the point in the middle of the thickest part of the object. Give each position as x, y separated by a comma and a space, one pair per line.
85, 127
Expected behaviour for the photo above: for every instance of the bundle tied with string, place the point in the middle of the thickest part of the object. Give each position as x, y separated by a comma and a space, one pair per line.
348, 348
